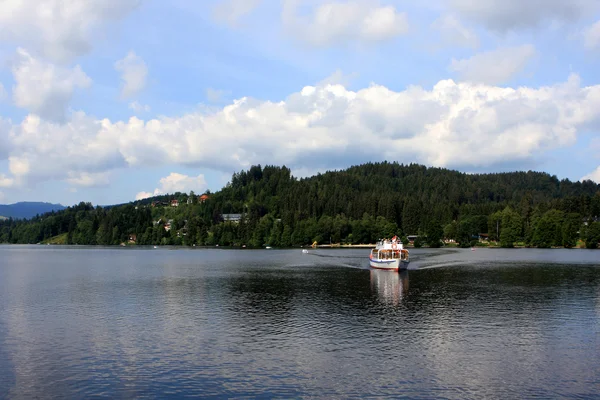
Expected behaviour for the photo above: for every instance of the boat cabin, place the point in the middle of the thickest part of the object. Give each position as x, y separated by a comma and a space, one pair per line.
389, 254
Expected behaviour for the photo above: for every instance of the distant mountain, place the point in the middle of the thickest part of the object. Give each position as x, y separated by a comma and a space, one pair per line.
27, 209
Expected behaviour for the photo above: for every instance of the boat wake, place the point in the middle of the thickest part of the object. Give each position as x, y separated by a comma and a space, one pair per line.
333, 256
336, 260
419, 261
440, 265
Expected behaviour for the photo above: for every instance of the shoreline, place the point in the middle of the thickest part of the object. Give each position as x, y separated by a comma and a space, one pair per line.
306, 247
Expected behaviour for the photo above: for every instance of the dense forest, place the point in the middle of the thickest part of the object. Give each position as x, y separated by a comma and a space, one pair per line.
268, 206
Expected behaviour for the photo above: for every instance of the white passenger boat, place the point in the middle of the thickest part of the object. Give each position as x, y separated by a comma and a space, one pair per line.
389, 254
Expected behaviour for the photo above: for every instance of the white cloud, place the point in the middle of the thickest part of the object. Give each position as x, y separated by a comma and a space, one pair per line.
42, 150
506, 15
5, 181
182, 183
87, 179
494, 67
133, 74
454, 125
594, 176
18, 166
145, 195
138, 107
45, 89
454, 33
59, 29
338, 22
176, 183
591, 36
231, 11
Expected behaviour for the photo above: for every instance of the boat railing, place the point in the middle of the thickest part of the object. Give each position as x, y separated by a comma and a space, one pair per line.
385, 251
387, 254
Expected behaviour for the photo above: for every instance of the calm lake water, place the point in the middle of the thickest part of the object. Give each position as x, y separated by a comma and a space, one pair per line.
78, 322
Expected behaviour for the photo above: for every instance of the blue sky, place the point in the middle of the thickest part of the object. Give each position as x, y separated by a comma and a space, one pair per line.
112, 100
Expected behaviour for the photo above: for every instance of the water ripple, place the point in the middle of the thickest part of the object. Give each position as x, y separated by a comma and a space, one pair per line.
214, 324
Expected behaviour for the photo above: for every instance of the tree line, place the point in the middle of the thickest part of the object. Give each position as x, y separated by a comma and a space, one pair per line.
358, 205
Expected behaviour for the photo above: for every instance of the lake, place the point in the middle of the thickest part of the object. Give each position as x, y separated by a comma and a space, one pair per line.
77, 322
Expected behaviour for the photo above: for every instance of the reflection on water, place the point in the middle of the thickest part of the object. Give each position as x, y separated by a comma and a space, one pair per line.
391, 286
134, 323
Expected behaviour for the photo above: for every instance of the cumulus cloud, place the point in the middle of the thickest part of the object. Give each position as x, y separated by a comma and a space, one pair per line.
506, 15
494, 67
138, 107
45, 89
42, 150
59, 29
182, 183
594, 176
455, 125
591, 36
176, 183
145, 195
231, 11
19, 167
453, 32
5, 181
339, 22
133, 72
87, 179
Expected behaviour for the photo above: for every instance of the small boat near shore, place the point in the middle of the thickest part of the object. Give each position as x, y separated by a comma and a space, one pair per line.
389, 254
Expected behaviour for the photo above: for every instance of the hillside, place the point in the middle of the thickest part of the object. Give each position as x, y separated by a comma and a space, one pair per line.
358, 205
28, 209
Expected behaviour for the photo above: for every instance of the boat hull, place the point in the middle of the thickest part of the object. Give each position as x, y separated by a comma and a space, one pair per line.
393, 265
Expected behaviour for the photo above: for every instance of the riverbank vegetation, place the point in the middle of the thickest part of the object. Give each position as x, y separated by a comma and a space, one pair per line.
268, 206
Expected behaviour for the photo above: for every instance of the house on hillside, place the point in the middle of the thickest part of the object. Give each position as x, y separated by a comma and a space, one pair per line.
232, 217
203, 198
132, 238
174, 203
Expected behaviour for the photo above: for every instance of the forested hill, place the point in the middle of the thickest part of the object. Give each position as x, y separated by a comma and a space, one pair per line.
267, 206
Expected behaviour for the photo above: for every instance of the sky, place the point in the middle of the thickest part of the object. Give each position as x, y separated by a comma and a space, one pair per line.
109, 101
